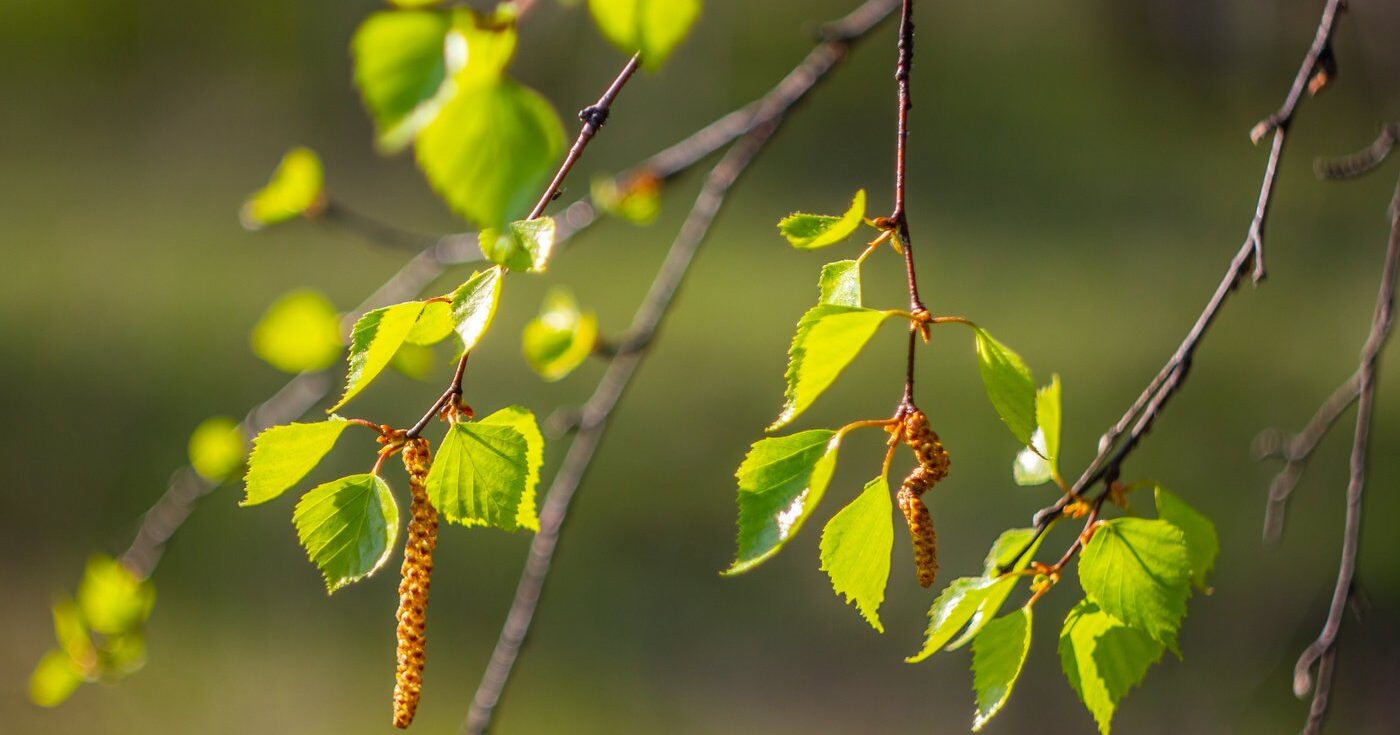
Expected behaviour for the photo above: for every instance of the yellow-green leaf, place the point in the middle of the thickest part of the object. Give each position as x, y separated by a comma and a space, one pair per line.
840, 283
638, 200
855, 550
998, 654
480, 475
474, 305
812, 231
299, 332
1202, 542
112, 599
780, 482
1009, 385
1103, 659
54, 680
561, 337
217, 448
828, 338
521, 246
653, 27
296, 189
1139, 572
523, 421
282, 455
373, 342
433, 326
347, 527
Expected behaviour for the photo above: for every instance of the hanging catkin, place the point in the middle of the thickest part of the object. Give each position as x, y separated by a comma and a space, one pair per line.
413, 590
933, 466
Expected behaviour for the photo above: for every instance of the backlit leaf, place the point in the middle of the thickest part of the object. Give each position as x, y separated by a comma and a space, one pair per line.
1139, 571
840, 283
373, 342
522, 246
828, 338
347, 527
560, 338
637, 200
433, 325
282, 455
474, 305
855, 550
951, 610
998, 654
812, 231
1000, 556
523, 421
1202, 542
1031, 467
480, 475
299, 332
780, 482
653, 27
217, 448
1009, 385
401, 64
1103, 659
296, 189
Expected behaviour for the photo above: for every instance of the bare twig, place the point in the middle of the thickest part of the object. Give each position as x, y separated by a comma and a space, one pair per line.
899, 219
591, 421
1323, 648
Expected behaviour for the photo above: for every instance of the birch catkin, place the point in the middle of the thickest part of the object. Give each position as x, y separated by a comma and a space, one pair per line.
413, 590
933, 466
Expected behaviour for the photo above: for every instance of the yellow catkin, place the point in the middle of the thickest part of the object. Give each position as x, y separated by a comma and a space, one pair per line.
413, 590
933, 466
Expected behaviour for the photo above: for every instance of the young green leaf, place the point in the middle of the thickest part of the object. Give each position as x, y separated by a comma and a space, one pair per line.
812, 231
1139, 571
951, 611
522, 246
433, 325
1001, 555
1030, 467
55, 679
1103, 659
347, 527
1048, 419
217, 448
401, 63
490, 149
780, 481
998, 654
112, 599
1202, 543
72, 632
474, 305
1009, 385
523, 421
653, 27
840, 283
373, 342
828, 338
855, 550
560, 338
299, 332
480, 475
296, 189
282, 455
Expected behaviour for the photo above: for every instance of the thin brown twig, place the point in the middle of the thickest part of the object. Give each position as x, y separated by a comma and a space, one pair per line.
899, 219
592, 418
1324, 646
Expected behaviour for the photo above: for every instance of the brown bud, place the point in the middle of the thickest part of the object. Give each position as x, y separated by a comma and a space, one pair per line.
413, 590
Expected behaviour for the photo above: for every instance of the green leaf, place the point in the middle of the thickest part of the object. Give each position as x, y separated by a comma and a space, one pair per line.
401, 64
1139, 571
72, 633
812, 231
1009, 385
296, 189
828, 338
523, 421
1202, 542
653, 27
951, 610
1031, 467
217, 448
1104, 659
474, 304
780, 482
282, 455
840, 283
112, 599
637, 200
299, 332
433, 325
998, 654
855, 550
415, 3
490, 149
347, 527
1048, 419
560, 338
1006, 546
522, 246
480, 475
373, 342
54, 680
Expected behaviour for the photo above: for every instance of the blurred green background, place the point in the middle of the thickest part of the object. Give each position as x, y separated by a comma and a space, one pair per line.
1080, 176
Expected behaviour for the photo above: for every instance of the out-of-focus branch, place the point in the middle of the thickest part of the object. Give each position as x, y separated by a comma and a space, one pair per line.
591, 420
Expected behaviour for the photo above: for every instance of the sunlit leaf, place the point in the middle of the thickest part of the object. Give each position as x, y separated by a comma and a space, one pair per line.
1009, 385
433, 326
840, 283
998, 654
1139, 571
1048, 419
855, 550
523, 421
1031, 467
282, 455
653, 27
951, 610
300, 332
560, 338
521, 246
1104, 659
347, 527
828, 338
490, 150
373, 342
1202, 542
480, 475
1001, 556
296, 189
217, 448
780, 482
111, 598
474, 305
812, 231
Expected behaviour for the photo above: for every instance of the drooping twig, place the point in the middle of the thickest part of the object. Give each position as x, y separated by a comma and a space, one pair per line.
1125, 435
1322, 650
592, 418
900, 218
